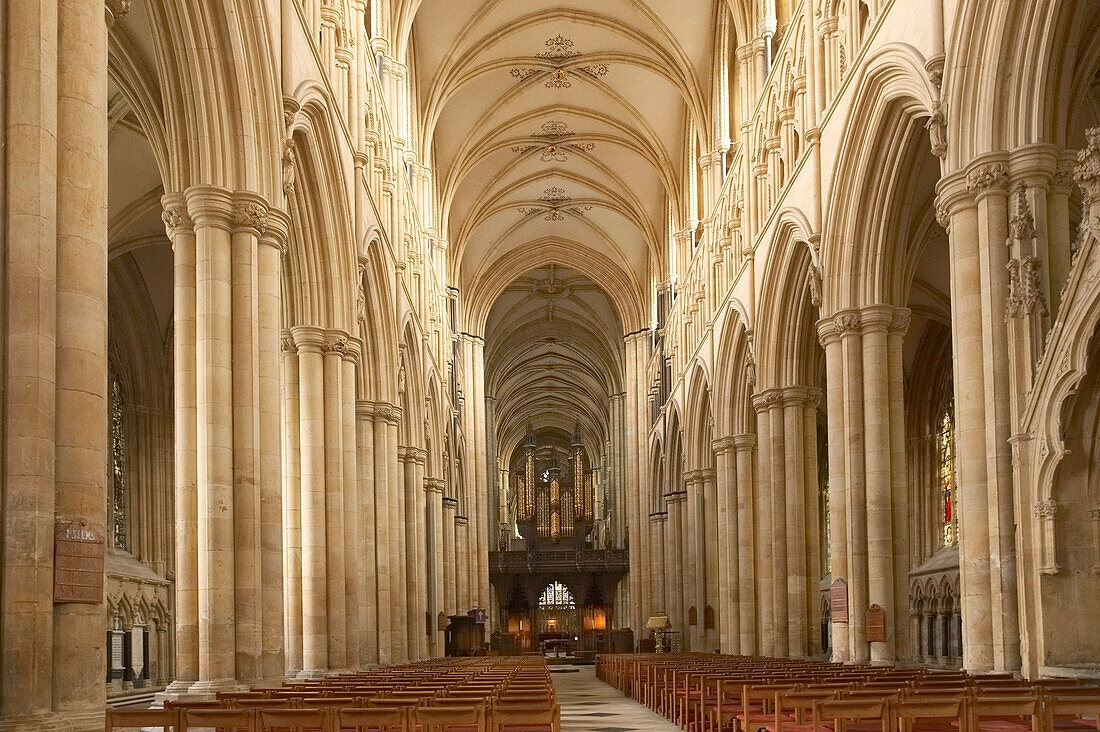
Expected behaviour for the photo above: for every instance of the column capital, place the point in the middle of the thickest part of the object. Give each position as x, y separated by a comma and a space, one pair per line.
846, 322
876, 318
450, 504
798, 395
986, 177
210, 206
308, 338
276, 233
722, 445
767, 399
250, 212
434, 485
744, 441
336, 341
175, 217
287, 343
1087, 170
952, 196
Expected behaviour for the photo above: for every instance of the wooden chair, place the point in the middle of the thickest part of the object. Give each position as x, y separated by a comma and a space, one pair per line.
931, 713
164, 719
294, 720
222, 720
1005, 714
451, 718
515, 718
836, 715
1075, 712
793, 709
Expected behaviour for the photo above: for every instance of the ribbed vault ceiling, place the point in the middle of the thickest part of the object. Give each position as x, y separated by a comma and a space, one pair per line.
564, 125
560, 120
553, 356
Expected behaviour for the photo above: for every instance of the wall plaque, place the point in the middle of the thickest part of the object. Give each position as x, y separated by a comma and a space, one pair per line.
876, 624
77, 565
838, 601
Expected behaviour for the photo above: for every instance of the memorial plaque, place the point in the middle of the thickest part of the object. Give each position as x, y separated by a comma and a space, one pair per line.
116, 651
77, 565
876, 624
838, 601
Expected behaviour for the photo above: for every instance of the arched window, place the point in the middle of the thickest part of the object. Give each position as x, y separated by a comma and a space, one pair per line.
119, 493
949, 503
556, 595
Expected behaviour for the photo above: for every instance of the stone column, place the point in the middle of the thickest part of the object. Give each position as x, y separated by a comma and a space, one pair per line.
79, 656
483, 475
743, 446
988, 182
418, 557
658, 560
728, 584
434, 486
371, 502
462, 575
310, 342
691, 559
899, 481
409, 486
708, 510
398, 589
450, 605
211, 210
383, 529
769, 570
249, 221
674, 574
794, 515
847, 325
811, 539
876, 420
181, 231
838, 515
29, 339
272, 245
958, 211
335, 346
292, 507
354, 556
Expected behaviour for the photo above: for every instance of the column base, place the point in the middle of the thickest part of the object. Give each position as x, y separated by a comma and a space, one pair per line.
210, 687
312, 673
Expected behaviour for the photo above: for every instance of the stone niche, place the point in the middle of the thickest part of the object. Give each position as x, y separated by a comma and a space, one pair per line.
139, 627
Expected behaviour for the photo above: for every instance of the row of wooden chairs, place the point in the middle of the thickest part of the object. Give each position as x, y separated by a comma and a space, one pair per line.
469, 695
709, 693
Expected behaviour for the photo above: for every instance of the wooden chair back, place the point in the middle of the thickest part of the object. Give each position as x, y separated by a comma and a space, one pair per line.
375, 719
163, 719
918, 710
841, 712
1075, 709
450, 718
294, 720
221, 720
997, 710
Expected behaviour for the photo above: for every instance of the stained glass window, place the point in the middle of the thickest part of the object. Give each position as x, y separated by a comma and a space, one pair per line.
557, 595
119, 492
949, 508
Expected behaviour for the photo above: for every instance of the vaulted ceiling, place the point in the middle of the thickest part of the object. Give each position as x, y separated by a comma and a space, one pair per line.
560, 123
559, 134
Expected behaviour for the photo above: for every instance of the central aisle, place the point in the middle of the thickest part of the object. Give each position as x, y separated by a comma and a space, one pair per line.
591, 705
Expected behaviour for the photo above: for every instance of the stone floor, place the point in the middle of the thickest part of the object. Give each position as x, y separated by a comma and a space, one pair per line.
593, 706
